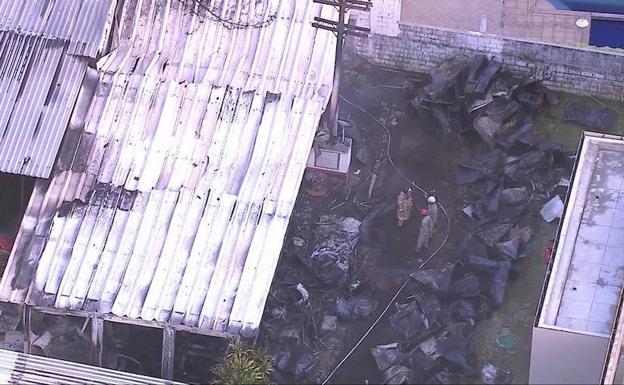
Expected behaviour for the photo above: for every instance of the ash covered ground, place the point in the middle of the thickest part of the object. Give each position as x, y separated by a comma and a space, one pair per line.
494, 150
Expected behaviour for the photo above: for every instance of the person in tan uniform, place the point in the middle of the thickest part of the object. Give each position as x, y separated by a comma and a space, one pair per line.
426, 231
404, 206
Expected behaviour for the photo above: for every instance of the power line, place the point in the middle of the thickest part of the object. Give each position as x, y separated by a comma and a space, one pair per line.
341, 29
196, 6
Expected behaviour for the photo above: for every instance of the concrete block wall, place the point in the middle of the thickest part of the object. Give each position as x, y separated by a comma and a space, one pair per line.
581, 70
385, 16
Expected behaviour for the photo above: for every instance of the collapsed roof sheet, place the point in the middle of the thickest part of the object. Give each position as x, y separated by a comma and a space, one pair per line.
172, 203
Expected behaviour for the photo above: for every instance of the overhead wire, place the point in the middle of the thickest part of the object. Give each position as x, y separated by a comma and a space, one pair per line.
227, 24
420, 267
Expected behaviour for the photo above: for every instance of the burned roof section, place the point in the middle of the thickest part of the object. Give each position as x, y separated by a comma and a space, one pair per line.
185, 173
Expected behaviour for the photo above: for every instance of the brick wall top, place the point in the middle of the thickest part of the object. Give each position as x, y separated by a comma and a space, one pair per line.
570, 68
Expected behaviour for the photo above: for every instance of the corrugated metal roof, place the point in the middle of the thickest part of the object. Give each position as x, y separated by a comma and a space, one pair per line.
172, 203
20, 368
45, 48
81, 22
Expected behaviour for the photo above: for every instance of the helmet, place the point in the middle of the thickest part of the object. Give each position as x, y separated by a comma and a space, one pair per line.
424, 212
431, 199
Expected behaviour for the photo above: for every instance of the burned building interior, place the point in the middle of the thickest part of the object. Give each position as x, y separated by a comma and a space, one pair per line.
177, 181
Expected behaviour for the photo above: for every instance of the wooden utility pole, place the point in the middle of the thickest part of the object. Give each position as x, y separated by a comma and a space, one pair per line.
341, 29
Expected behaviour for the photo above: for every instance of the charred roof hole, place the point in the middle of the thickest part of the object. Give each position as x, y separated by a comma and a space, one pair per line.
232, 212
64, 209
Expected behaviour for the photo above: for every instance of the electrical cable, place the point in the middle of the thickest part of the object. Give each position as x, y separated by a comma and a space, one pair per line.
400, 290
228, 24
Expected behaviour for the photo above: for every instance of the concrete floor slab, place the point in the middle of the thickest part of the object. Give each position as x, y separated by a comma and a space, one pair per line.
601, 312
573, 323
593, 234
589, 252
614, 256
618, 219
584, 272
607, 294
607, 179
594, 273
611, 275
599, 327
580, 291
596, 215
603, 197
575, 309
616, 237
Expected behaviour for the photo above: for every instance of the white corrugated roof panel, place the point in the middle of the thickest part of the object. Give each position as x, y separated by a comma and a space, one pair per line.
178, 195
20, 368
45, 48
82, 22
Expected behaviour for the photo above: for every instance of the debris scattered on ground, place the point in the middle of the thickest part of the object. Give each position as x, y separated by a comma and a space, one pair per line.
552, 209
329, 323
386, 355
355, 308
9, 317
490, 374
336, 238
305, 295
428, 331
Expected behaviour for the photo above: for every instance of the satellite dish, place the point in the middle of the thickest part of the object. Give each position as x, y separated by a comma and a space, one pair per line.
582, 22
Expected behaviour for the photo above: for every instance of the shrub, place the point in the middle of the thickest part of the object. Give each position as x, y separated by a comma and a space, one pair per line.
244, 364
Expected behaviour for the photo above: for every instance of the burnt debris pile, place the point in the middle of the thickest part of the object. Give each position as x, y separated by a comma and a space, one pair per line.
328, 291
474, 94
316, 298
505, 188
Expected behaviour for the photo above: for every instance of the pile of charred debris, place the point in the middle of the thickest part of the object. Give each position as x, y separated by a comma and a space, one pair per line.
504, 188
316, 300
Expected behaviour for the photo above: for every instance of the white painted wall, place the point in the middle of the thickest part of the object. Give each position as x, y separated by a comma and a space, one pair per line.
385, 16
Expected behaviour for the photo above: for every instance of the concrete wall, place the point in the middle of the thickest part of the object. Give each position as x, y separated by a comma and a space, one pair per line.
525, 19
385, 16
420, 48
559, 357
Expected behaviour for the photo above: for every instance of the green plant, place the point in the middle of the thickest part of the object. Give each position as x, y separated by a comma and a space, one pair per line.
244, 364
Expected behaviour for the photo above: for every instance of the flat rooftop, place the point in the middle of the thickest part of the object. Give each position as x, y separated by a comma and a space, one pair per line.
583, 291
